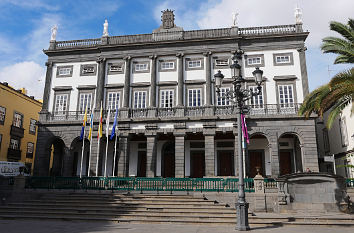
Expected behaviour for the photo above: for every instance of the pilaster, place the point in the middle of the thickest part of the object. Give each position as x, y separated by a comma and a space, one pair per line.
274, 157
180, 79
48, 81
208, 94
153, 81
100, 81
126, 89
303, 68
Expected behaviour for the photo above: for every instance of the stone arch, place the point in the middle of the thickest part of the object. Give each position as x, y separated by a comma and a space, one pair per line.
259, 154
73, 162
291, 130
55, 149
290, 151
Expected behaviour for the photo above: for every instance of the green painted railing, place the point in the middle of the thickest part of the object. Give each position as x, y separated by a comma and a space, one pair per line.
140, 184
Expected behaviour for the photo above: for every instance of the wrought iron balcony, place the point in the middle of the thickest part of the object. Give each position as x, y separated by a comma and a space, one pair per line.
13, 154
16, 131
182, 113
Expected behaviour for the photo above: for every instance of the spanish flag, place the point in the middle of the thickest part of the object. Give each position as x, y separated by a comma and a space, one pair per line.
100, 125
84, 124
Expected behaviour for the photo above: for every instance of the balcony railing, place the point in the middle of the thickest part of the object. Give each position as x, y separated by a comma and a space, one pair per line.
178, 35
264, 110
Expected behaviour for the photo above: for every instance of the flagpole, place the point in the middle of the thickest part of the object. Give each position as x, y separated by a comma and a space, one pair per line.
107, 132
98, 140
91, 126
83, 142
115, 153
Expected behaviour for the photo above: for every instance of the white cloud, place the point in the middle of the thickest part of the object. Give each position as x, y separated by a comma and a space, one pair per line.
28, 74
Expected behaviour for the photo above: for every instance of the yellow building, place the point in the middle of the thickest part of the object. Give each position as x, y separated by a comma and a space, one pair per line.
18, 129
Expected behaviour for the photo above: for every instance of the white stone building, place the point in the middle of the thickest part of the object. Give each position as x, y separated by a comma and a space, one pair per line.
171, 122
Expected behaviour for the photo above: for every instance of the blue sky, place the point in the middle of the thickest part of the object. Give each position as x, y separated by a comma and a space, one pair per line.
25, 27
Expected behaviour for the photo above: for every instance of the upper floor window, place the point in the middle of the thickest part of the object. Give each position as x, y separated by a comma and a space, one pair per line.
256, 101
140, 99
166, 98
280, 59
114, 68
2, 115
61, 103
113, 100
30, 149
194, 97
32, 126
222, 101
286, 96
88, 69
85, 100
168, 65
18, 118
194, 64
221, 62
254, 61
64, 71
14, 144
141, 67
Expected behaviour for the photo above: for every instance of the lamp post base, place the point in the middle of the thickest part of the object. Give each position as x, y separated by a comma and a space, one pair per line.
242, 216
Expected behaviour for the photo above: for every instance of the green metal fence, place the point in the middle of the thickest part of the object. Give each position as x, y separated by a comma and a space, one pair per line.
350, 183
139, 184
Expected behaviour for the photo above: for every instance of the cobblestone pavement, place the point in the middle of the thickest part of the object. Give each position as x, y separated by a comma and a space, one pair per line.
37, 226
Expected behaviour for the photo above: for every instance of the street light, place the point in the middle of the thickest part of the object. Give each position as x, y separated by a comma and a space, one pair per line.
239, 96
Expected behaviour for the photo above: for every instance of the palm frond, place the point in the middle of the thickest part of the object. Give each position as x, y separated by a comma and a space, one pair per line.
337, 109
346, 77
345, 30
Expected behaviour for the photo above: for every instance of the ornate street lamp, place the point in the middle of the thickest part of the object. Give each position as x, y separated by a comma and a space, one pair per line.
239, 96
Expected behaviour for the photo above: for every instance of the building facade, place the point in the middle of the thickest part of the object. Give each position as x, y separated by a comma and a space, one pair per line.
336, 145
171, 121
18, 129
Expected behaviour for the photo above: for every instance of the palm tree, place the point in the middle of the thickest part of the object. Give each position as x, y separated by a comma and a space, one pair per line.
339, 92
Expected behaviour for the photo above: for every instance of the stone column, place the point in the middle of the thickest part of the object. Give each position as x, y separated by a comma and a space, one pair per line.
48, 81
180, 79
303, 68
274, 157
208, 93
127, 82
179, 155
100, 81
68, 160
122, 156
150, 155
209, 155
153, 81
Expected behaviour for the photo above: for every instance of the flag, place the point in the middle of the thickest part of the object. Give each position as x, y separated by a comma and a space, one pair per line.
114, 124
84, 124
244, 128
107, 123
91, 125
99, 135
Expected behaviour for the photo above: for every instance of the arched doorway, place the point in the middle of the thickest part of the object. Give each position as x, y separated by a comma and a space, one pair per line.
56, 150
258, 154
76, 154
168, 160
290, 158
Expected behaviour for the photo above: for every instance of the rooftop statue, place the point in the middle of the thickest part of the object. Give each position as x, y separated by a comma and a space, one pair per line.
54, 30
105, 28
234, 19
298, 15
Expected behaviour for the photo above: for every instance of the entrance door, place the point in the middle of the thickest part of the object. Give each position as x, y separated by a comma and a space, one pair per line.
197, 164
141, 164
285, 162
256, 160
225, 163
168, 157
